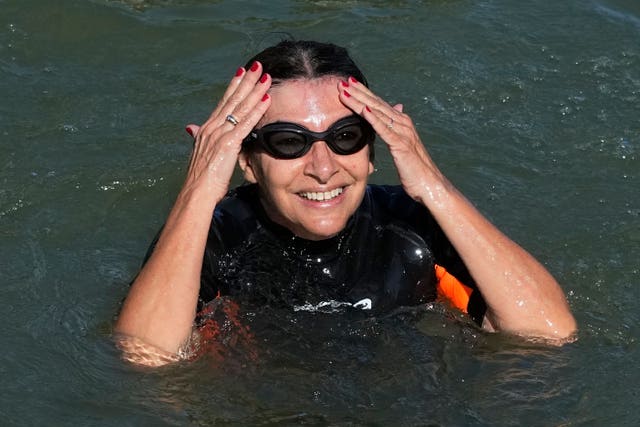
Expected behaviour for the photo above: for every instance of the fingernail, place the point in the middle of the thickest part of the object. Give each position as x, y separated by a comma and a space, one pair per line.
189, 131
265, 97
239, 72
264, 78
367, 107
353, 79
254, 66
344, 84
347, 94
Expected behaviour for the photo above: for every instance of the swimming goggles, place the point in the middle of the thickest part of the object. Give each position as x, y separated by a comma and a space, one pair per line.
284, 140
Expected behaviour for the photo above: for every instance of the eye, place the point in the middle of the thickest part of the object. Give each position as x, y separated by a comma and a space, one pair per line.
285, 138
348, 135
285, 142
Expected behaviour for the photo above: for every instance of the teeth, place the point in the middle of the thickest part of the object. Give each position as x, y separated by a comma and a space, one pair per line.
326, 195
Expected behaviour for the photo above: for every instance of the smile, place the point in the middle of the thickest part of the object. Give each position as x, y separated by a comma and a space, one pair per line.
323, 195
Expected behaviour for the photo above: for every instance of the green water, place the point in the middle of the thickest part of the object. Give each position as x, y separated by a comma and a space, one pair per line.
531, 108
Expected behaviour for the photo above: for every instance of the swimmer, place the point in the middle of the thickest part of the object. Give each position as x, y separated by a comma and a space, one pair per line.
308, 232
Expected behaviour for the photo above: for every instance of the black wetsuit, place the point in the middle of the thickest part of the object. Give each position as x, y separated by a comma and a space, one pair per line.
384, 258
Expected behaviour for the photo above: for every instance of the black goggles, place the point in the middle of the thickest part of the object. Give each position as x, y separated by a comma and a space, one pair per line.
290, 141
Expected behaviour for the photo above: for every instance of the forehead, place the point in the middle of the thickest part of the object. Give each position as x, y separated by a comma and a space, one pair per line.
313, 103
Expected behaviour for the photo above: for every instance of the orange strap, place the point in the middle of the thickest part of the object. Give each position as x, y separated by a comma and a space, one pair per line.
452, 289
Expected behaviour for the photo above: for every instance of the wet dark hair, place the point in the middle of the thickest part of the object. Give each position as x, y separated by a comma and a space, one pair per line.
305, 59
296, 59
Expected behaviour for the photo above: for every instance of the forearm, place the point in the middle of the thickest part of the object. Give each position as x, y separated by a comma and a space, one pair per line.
161, 304
521, 296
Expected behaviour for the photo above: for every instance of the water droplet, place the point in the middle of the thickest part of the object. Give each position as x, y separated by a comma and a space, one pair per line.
69, 128
565, 110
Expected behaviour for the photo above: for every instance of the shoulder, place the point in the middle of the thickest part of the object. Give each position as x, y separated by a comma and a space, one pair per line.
390, 206
390, 203
236, 216
240, 200
388, 193
388, 197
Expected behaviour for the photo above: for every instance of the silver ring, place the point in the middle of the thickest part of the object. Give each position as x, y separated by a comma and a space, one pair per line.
231, 119
390, 125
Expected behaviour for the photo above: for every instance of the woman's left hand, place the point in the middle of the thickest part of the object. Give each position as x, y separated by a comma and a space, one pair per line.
418, 173
521, 296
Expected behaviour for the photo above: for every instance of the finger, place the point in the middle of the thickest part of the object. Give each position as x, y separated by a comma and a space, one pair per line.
384, 125
252, 99
242, 76
237, 91
244, 87
398, 107
363, 94
251, 118
391, 128
234, 83
192, 129
231, 88
233, 131
382, 121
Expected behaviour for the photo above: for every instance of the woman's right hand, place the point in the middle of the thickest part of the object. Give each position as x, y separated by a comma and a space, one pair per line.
218, 141
159, 310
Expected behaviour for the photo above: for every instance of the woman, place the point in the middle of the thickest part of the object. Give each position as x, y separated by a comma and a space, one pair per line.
299, 119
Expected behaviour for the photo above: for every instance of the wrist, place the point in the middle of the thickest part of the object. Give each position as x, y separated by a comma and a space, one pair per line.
436, 193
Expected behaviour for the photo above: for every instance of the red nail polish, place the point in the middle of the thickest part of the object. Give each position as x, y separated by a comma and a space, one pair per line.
189, 131
254, 66
347, 94
352, 79
367, 107
265, 97
344, 84
264, 78
239, 72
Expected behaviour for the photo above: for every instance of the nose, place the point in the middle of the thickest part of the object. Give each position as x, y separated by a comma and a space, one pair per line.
321, 162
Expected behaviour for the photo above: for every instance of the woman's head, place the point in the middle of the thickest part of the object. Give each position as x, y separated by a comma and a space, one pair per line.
314, 193
292, 60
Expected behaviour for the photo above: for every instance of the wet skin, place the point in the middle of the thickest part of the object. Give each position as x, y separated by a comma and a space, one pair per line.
291, 189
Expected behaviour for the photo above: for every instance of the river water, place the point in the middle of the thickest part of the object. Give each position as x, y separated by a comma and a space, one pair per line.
531, 109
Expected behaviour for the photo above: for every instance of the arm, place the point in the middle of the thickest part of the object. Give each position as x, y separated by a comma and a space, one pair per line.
521, 296
160, 307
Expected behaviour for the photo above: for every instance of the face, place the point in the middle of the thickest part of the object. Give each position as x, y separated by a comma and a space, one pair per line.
314, 195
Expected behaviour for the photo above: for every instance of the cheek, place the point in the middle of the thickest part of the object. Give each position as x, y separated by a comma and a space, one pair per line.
274, 174
361, 163
261, 168
360, 166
